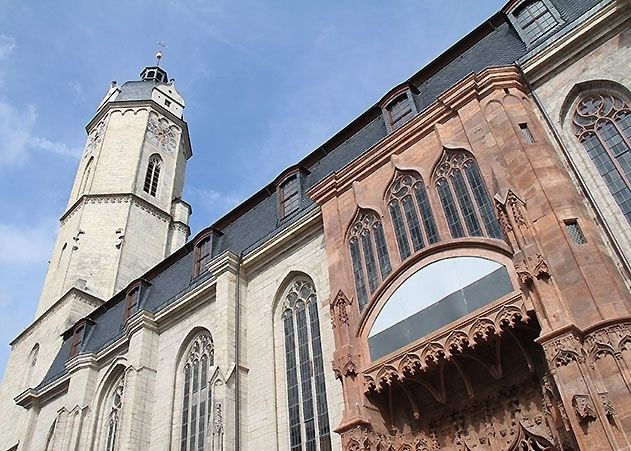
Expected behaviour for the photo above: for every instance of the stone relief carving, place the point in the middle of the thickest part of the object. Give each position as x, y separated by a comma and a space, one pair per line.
94, 138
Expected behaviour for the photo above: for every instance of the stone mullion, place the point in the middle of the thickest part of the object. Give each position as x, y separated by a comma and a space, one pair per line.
609, 153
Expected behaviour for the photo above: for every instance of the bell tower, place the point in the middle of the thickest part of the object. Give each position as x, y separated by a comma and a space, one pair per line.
125, 212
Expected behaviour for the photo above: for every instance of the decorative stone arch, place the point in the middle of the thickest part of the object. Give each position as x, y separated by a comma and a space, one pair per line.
197, 336
115, 373
296, 314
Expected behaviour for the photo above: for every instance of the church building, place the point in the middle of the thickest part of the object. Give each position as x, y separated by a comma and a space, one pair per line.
450, 271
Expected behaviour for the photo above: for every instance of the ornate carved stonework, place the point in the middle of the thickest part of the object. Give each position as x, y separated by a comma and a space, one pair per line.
339, 309
584, 408
94, 138
465, 333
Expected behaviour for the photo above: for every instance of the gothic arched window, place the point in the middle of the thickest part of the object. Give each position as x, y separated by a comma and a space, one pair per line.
411, 213
602, 123
196, 399
369, 255
86, 176
113, 416
464, 197
153, 175
306, 392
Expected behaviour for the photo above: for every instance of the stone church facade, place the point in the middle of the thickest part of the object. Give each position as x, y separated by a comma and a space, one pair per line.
450, 271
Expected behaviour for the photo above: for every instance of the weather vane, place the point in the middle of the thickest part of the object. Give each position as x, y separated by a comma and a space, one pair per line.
161, 46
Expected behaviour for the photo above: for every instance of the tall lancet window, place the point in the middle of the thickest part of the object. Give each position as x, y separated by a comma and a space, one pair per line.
152, 177
113, 418
464, 197
196, 400
411, 214
602, 123
306, 392
87, 172
369, 255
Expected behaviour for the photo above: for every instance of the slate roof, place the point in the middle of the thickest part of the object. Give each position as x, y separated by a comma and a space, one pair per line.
494, 43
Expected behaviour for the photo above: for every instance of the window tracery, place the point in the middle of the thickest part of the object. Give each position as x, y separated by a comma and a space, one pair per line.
113, 418
464, 197
411, 214
306, 391
197, 396
152, 177
602, 123
369, 255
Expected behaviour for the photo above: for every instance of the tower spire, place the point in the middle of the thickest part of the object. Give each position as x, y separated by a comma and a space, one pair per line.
161, 46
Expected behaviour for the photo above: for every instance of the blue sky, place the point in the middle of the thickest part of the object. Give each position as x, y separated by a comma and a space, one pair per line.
265, 84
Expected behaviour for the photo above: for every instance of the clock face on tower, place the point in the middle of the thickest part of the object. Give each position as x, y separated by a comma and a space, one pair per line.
161, 134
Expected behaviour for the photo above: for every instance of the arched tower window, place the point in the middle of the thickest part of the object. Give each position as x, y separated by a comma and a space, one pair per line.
113, 417
196, 399
152, 176
411, 214
369, 255
306, 392
464, 197
86, 175
602, 123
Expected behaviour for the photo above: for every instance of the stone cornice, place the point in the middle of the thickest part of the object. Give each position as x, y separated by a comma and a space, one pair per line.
600, 24
474, 86
32, 397
72, 294
116, 198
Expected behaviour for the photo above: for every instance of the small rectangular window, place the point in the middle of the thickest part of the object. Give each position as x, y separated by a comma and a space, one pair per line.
131, 302
167, 102
575, 232
289, 193
526, 134
77, 339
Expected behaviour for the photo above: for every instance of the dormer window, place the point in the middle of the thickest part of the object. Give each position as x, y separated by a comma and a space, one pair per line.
535, 18
398, 106
131, 301
203, 251
289, 196
77, 339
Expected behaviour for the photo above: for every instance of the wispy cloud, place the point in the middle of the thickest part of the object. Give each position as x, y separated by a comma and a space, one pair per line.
17, 125
26, 244
213, 203
76, 89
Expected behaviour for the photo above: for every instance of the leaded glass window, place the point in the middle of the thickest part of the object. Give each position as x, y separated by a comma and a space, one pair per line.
535, 19
369, 255
152, 176
602, 123
464, 197
411, 212
114, 414
309, 428
197, 398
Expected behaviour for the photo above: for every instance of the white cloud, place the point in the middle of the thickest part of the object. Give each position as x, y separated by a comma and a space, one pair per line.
17, 136
77, 89
24, 244
215, 202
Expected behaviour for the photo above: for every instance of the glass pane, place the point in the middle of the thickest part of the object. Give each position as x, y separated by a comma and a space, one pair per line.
449, 207
293, 401
382, 250
320, 388
413, 223
610, 174
369, 260
431, 232
399, 230
482, 198
466, 204
306, 373
358, 273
